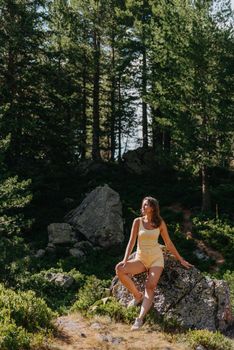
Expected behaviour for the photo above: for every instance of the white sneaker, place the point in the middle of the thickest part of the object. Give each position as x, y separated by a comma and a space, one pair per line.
137, 324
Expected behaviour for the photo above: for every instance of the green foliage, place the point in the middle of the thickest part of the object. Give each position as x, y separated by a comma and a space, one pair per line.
171, 216
186, 246
219, 234
112, 308
223, 195
13, 337
23, 318
56, 297
210, 340
229, 277
25, 309
14, 195
14, 258
93, 290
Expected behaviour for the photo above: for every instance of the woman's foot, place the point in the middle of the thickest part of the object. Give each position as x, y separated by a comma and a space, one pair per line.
135, 302
137, 324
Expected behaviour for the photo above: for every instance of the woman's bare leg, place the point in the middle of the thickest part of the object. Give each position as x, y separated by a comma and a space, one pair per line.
131, 267
152, 281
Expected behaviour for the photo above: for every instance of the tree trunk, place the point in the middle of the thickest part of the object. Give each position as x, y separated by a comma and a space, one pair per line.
206, 204
144, 79
119, 121
167, 141
84, 115
157, 134
144, 105
13, 123
96, 81
113, 87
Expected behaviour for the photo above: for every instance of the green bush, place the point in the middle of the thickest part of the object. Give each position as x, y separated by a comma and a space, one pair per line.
210, 340
112, 308
14, 258
219, 235
93, 290
25, 309
229, 277
57, 297
13, 337
24, 319
186, 247
14, 195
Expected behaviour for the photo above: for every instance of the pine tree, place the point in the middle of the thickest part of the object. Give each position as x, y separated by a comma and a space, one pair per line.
21, 41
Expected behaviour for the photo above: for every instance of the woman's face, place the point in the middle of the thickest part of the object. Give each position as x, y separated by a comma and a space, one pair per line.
146, 208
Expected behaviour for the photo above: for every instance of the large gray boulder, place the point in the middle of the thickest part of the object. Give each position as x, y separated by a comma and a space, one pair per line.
186, 296
99, 217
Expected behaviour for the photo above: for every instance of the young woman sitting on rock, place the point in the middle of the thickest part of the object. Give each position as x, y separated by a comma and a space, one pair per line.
149, 257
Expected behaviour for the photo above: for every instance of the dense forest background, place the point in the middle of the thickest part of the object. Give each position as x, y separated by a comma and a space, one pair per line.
84, 81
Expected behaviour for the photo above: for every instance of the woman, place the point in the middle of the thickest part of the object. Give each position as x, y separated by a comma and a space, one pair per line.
149, 256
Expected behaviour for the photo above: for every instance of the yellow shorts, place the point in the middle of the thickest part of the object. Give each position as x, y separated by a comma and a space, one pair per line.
151, 259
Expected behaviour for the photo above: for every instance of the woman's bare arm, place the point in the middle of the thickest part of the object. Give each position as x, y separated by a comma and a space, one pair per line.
170, 246
132, 240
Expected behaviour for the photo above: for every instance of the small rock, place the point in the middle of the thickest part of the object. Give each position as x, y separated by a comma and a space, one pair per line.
200, 347
85, 246
40, 253
118, 340
97, 249
96, 325
51, 245
77, 253
104, 338
61, 233
109, 339
60, 279
83, 335
50, 248
200, 255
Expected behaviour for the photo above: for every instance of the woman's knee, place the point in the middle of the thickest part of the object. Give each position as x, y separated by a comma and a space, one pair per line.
150, 285
119, 269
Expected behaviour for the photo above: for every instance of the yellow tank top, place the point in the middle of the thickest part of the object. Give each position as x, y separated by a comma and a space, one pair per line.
147, 239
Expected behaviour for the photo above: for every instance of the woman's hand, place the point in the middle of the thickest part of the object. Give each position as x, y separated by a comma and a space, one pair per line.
121, 263
185, 263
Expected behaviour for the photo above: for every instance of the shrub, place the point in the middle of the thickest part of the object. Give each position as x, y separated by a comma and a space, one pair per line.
112, 308
14, 258
186, 246
57, 297
93, 290
25, 310
217, 234
210, 340
229, 277
14, 195
13, 337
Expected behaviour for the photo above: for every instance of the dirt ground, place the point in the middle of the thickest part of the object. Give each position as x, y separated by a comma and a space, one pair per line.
79, 333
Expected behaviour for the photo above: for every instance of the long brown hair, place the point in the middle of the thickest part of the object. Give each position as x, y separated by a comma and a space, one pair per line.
156, 218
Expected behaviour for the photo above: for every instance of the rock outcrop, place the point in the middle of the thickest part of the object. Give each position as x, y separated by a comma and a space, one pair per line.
96, 223
99, 217
140, 160
186, 296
